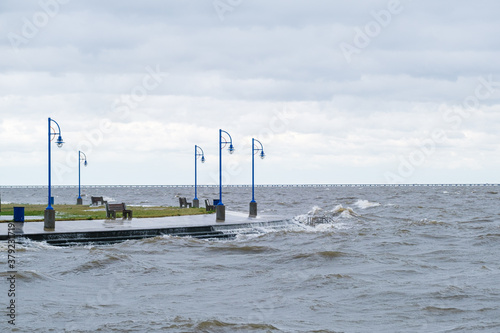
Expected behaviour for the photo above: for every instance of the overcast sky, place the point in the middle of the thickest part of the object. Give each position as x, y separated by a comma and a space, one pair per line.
337, 91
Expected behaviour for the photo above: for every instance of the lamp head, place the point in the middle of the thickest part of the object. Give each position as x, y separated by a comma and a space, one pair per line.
203, 159
231, 148
85, 163
262, 155
59, 141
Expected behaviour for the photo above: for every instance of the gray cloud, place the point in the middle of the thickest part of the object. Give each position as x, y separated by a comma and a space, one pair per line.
239, 73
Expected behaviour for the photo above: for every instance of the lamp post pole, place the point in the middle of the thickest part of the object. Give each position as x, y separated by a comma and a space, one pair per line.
253, 203
196, 202
79, 201
220, 208
50, 214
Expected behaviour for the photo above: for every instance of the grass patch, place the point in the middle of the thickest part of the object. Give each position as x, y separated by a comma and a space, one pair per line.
82, 212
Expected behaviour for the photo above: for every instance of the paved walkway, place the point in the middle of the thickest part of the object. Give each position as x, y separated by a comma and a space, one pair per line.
138, 223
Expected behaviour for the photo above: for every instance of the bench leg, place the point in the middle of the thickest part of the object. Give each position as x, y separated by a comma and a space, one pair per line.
127, 214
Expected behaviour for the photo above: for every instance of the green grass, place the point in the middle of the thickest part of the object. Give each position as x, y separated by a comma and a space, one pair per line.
82, 212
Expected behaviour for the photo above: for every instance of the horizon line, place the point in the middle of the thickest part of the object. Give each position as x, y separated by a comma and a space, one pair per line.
260, 185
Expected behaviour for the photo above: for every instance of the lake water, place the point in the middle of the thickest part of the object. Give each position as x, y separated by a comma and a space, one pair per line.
391, 259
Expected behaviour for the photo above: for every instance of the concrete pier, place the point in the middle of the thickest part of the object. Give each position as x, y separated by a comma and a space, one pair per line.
49, 219
253, 209
220, 212
112, 231
196, 203
79, 201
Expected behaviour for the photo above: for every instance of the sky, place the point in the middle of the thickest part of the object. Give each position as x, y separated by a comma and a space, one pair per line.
337, 92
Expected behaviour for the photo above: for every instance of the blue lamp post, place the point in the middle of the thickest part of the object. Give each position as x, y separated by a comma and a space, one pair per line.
255, 150
81, 159
220, 208
50, 213
196, 202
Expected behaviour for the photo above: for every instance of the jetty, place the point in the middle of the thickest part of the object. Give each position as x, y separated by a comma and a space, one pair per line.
112, 231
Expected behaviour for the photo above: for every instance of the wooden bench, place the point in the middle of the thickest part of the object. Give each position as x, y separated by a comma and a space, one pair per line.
208, 206
96, 200
183, 203
111, 210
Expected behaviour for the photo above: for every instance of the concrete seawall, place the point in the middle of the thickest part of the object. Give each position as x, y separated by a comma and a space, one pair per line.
111, 231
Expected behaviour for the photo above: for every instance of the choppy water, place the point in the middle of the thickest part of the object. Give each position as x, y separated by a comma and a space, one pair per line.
393, 259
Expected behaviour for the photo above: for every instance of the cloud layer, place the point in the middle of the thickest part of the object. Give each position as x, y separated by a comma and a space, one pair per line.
338, 92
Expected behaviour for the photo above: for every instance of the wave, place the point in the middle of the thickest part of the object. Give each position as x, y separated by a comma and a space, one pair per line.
234, 248
26, 244
324, 254
440, 309
364, 204
27, 276
99, 263
220, 326
426, 222
317, 216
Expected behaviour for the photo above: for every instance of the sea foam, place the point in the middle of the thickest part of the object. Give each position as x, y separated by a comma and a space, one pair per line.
364, 204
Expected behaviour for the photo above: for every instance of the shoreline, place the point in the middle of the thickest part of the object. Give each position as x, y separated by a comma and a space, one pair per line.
35, 212
201, 226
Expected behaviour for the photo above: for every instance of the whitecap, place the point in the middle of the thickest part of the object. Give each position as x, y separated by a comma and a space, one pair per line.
31, 245
338, 209
347, 213
315, 211
328, 218
363, 204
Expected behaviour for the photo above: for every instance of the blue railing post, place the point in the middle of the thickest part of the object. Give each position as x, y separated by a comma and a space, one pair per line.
196, 154
195, 181
253, 173
220, 209
220, 167
253, 203
79, 167
80, 153
49, 207
50, 214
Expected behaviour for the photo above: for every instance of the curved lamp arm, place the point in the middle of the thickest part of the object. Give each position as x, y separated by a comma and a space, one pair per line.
261, 149
202, 154
59, 141
84, 157
231, 147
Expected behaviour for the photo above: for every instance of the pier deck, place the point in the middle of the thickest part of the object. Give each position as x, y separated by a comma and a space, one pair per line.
110, 231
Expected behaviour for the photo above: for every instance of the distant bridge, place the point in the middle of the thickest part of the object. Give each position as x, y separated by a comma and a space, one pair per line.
264, 185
